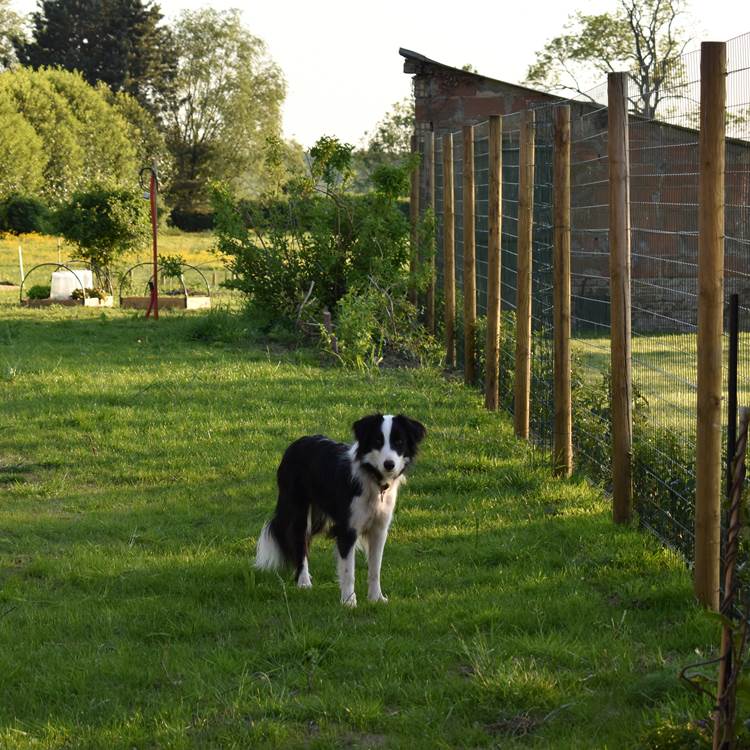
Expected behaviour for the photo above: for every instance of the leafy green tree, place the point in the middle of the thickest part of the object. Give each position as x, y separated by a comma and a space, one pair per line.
225, 101
642, 36
387, 144
11, 30
104, 225
106, 138
58, 134
55, 124
146, 137
119, 42
22, 158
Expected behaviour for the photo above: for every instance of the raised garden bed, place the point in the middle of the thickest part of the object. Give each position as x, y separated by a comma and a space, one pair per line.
184, 298
108, 301
45, 295
199, 302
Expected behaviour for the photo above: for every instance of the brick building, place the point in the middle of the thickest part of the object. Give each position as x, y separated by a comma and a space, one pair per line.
664, 192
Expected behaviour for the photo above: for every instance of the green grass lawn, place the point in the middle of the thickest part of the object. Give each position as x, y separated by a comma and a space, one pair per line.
665, 374
137, 465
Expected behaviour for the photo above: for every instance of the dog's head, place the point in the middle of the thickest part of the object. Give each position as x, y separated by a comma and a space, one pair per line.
386, 445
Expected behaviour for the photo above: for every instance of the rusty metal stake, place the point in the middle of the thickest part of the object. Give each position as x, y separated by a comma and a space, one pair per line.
729, 664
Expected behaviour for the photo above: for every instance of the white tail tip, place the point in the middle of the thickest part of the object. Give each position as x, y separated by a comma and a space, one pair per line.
268, 554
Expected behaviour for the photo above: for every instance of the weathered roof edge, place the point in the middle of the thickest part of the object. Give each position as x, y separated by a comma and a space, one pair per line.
418, 60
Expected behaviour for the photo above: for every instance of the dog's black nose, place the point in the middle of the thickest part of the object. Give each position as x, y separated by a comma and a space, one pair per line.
388, 465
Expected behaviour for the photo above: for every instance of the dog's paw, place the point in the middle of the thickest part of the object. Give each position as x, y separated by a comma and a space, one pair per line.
378, 598
349, 601
304, 582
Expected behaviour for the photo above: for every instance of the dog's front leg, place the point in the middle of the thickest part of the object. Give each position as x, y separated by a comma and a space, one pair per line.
345, 565
375, 543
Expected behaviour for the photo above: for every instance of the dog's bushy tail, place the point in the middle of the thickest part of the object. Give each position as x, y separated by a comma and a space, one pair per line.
269, 554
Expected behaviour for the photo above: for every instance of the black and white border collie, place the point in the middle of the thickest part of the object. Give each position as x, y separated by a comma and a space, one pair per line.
349, 490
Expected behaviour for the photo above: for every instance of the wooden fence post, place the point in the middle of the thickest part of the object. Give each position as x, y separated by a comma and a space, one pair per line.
492, 347
710, 322
470, 258
429, 159
562, 443
414, 223
522, 380
619, 282
449, 252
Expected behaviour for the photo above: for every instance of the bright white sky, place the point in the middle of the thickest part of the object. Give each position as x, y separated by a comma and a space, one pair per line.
341, 61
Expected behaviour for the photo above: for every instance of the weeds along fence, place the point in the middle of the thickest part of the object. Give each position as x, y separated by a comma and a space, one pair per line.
635, 245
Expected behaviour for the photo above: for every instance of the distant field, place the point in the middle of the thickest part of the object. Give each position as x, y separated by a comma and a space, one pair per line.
664, 372
196, 248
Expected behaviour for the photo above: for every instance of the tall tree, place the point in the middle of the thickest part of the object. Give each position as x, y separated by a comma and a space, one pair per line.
387, 144
643, 37
11, 31
224, 103
119, 42
59, 134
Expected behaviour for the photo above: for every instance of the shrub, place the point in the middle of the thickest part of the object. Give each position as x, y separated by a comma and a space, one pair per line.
191, 221
104, 224
39, 291
309, 248
23, 214
372, 322
90, 293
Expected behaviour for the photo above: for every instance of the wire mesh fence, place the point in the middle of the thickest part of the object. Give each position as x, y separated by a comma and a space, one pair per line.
663, 134
664, 251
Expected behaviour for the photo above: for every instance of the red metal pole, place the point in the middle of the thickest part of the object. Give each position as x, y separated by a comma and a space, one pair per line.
155, 287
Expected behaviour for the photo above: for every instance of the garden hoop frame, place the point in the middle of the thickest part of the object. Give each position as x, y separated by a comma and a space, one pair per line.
56, 265
151, 278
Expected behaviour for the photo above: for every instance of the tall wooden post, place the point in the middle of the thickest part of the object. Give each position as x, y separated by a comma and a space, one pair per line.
429, 162
414, 222
619, 282
562, 442
449, 252
710, 322
470, 258
522, 382
492, 348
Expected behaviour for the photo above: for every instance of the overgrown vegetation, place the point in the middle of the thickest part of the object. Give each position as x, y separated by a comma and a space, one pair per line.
314, 245
24, 214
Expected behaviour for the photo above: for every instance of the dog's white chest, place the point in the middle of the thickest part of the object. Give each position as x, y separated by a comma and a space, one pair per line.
373, 509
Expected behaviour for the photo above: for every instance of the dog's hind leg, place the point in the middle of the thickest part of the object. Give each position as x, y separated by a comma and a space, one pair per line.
300, 539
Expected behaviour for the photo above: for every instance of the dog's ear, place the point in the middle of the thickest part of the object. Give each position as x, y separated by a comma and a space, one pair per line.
364, 427
416, 430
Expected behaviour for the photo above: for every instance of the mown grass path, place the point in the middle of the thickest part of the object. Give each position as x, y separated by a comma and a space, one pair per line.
136, 468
